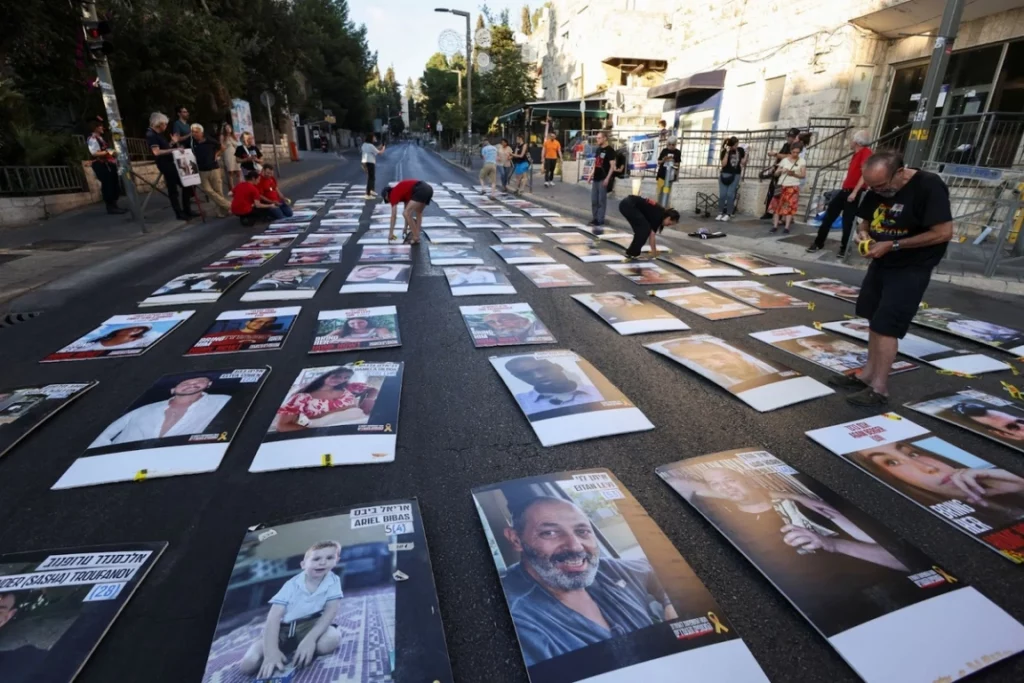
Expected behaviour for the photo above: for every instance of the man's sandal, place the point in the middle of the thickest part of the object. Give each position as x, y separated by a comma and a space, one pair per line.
868, 398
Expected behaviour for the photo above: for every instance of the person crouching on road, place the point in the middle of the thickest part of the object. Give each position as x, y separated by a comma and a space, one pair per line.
416, 195
246, 202
270, 193
646, 218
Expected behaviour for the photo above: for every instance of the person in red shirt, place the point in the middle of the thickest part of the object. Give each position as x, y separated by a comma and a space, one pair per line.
270, 193
845, 201
247, 202
416, 195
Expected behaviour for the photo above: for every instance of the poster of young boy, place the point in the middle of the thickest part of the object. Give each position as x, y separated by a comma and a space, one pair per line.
824, 349
629, 315
377, 277
505, 325
992, 417
23, 409
122, 335
356, 328
255, 329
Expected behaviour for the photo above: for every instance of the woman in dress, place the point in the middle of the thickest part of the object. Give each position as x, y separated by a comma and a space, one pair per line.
791, 171
330, 393
229, 141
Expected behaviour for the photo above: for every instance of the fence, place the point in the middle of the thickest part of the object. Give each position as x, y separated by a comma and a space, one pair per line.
21, 181
138, 148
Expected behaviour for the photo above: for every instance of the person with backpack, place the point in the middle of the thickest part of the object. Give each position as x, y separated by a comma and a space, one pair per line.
602, 180
734, 161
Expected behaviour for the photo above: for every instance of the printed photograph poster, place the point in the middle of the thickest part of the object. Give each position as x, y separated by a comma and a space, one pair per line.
710, 305
297, 216
325, 239
605, 233
311, 204
646, 274
874, 597
59, 604
830, 287
592, 253
521, 222
188, 169
569, 238
193, 288
986, 415
238, 260
667, 627
377, 236
339, 223
968, 492
516, 237
454, 256
286, 228
341, 211
1003, 338
922, 349
555, 275
254, 329
567, 399
562, 222
630, 315
757, 295
311, 256
346, 231
287, 284
825, 349
276, 241
521, 254
122, 335
447, 236
502, 213
481, 223
538, 212
377, 277
698, 266
438, 222
23, 409
401, 253
477, 280
505, 325
626, 241
760, 385
365, 570
335, 415
751, 263
455, 210
356, 328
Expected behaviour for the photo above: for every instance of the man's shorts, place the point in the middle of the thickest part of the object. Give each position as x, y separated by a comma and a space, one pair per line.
488, 174
291, 634
889, 297
422, 193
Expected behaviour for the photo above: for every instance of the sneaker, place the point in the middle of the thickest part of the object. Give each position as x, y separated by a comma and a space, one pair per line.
598, 230
719, 216
785, 231
813, 248
725, 218
774, 229
630, 259
592, 224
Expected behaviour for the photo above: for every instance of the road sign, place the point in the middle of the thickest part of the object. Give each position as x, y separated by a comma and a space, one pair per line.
267, 99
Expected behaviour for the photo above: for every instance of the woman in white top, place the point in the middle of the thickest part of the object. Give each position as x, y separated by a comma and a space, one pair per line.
229, 141
790, 172
370, 152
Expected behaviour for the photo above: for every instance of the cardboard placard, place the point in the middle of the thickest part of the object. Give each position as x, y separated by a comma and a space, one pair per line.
505, 325
23, 409
356, 328
630, 315
122, 335
710, 305
992, 417
287, 284
824, 349
377, 277
255, 329
646, 274
477, 280
556, 275
193, 288
239, 260
751, 263
699, 266
1003, 338
757, 295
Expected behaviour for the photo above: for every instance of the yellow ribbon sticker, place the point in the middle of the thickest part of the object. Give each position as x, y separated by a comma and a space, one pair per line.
924, 305
1014, 370
223, 436
140, 475
800, 271
948, 577
326, 461
810, 306
1013, 555
789, 283
892, 416
650, 292
719, 626
955, 373
1013, 391
849, 317
816, 325
359, 362
387, 428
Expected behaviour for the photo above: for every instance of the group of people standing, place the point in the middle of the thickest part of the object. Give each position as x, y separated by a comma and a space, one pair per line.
505, 165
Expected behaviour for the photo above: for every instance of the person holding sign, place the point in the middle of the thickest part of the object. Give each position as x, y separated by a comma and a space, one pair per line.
416, 195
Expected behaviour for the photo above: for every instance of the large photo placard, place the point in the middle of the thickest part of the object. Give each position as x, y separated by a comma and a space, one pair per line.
592, 253
505, 325
289, 284
255, 329
356, 328
377, 277
454, 256
824, 349
1000, 337
870, 594
554, 275
521, 254
995, 418
313, 256
629, 315
193, 288
597, 592
23, 409
240, 260
752, 263
646, 274
477, 281
122, 335
698, 266
836, 289
709, 305
757, 295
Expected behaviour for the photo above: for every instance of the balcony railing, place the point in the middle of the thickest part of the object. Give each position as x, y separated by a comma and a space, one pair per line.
28, 181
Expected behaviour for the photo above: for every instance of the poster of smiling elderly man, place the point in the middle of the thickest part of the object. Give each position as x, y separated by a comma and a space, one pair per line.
596, 590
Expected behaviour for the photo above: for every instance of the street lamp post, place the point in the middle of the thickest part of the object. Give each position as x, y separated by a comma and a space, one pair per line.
469, 70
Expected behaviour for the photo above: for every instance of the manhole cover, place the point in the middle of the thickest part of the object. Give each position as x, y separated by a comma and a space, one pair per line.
57, 245
12, 319
7, 258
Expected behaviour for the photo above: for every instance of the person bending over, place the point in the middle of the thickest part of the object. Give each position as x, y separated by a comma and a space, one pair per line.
247, 202
416, 196
646, 218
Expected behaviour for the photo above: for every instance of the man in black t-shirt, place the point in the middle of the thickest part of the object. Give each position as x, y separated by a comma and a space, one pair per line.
905, 225
669, 152
602, 182
646, 218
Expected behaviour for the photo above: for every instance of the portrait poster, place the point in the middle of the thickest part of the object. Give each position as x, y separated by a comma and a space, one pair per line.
1003, 338
335, 415
193, 288
567, 238
312, 204
836, 289
378, 236
238, 260
320, 240
254, 329
761, 385
241, 116
516, 237
59, 604
521, 254
592, 253
298, 215
710, 305
438, 222
312, 256
757, 295
477, 280
920, 348
183, 424
263, 242
967, 492
555, 275
992, 417
447, 236
347, 210
646, 274
23, 409
378, 223
401, 253
870, 594
825, 349
562, 222
629, 315
539, 212
356, 328
371, 568
625, 242
604, 233
287, 284
343, 231
502, 213
751, 263
522, 222
122, 335
352, 223
505, 325
458, 210
377, 277
185, 165
285, 228
698, 266
667, 626
454, 256
567, 399
481, 223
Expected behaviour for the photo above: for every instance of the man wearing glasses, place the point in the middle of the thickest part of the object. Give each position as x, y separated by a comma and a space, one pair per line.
905, 225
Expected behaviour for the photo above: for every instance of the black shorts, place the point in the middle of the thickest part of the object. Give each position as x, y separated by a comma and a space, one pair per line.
889, 297
422, 193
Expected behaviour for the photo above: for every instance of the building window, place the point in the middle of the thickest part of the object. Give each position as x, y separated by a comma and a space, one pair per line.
860, 89
623, 77
563, 92
771, 105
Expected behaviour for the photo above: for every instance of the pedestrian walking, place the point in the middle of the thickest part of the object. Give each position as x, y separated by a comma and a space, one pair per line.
647, 218
181, 126
520, 164
663, 132
504, 163
791, 172
104, 166
602, 181
906, 223
370, 152
207, 151
229, 142
734, 161
489, 172
271, 194
791, 137
416, 196
552, 153
670, 152
180, 196
845, 201
247, 204
248, 154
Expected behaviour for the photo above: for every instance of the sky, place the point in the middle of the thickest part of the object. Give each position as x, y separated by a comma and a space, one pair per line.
404, 33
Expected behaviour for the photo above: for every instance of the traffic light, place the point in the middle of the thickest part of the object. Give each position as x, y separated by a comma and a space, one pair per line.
428, 126
96, 39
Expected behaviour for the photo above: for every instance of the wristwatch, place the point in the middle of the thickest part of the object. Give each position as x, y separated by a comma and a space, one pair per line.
895, 245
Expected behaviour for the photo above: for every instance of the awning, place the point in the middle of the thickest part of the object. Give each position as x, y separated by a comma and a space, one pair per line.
916, 17
706, 80
653, 64
560, 108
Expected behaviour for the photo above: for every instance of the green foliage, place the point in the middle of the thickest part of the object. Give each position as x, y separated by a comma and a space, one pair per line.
526, 24
508, 84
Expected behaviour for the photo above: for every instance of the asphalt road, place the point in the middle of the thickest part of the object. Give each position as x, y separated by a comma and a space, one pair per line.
459, 428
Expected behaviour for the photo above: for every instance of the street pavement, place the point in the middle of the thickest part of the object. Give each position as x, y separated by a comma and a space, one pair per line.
459, 428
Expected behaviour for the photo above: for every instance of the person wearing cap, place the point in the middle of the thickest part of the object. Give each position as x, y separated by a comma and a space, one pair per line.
792, 135
104, 165
669, 151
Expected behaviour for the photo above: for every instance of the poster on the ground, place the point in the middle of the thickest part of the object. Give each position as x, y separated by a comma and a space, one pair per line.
516, 237
505, 325
57, 605
447, 236
757, 295
698, 266
325, 239
761, 385
825, 349
539, 212
555, 275
401, 253
992, 417
335, 415
521, 254
314, 256
752, 263
363, 572
831, 287
285, 228
121, 335
377, 277
481, 223
629, 315
501, 212
438, 222
477, 280
625, 242
567, 399
562, 222
569, 238
183, 424
521, 223
254, 329
352, 223
920, 348
23, 409
458, 210
356, 328
275, 241
875, 598
710, 305
238, 260
646, 274
454, 256
592, 253
193, 288
968, 492
631, 608
287, 284
297, 216
376, 236
1003, 338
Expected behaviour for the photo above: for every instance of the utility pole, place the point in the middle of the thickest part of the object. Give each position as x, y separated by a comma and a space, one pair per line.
267, 98
469, 69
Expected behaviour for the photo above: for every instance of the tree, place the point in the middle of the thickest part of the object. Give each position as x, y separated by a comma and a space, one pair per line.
526, 26
507, 84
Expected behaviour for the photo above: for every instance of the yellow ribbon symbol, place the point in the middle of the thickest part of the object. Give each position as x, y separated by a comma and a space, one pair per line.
955, 373
848, 316
816, 325
800, 271
892, 416
223, 436
924, 305
325, 460
810, 306
140, 475
789, 283
387, 429
948, 577
719, 626
1015, 371
1013, 391
359, 362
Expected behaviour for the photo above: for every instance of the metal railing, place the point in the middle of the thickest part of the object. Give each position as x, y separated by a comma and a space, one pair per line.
23, 181
138, 148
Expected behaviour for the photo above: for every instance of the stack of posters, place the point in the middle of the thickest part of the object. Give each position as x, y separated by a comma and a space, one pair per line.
237, 260
699, 266
401, 253
288, 284
477, 280
183, 424
875, 598
325, 239
757, 295
505, 325
335, 415
629, 315
447, 236
569, 238
706, 304
557, 275
356, 328
454, 256
994, 418
365, 570
592, 253
646, 274
830, 287
122, 335
919, 348
666, 626
378, 277
752, 263
566, 399
760, 385
56, 605
312, 256
22, 409
516, 237
1003, 338
482, 223
824, 349
255, 329
968, 492
263, 242
193, 288
515, 254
